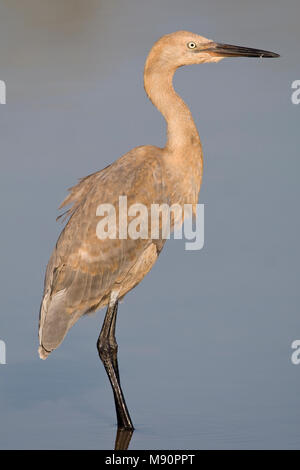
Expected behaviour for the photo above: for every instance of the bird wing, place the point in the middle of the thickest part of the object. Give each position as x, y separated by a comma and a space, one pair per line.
83, 269
78, 192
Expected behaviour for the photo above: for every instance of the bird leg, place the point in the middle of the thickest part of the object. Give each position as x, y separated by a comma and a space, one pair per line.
108, 352
123, 438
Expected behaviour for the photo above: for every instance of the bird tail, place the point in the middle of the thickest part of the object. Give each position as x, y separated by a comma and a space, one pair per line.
43, 353
54, 323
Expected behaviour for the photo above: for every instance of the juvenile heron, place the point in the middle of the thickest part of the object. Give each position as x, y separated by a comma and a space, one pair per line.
85, 272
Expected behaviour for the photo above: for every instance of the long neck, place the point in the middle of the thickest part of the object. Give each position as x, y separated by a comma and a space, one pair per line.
181, 129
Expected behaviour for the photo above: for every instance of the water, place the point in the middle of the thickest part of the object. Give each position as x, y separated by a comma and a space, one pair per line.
205, 340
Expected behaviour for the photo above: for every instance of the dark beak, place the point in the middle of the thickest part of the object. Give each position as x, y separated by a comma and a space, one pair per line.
228, 50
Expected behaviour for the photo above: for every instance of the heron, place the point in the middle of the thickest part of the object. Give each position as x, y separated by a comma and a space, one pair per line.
86, 273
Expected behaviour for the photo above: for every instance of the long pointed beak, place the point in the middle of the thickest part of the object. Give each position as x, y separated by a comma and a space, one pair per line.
228, 50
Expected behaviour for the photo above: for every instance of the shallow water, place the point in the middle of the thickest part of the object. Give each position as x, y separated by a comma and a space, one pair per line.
205, 340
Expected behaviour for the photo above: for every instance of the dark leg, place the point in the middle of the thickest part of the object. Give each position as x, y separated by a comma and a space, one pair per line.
123, 438
108, 352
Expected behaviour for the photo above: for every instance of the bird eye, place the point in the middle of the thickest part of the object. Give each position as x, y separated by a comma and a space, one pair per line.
191, 45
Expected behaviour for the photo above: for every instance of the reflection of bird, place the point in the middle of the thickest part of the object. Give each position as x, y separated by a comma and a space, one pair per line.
86, 273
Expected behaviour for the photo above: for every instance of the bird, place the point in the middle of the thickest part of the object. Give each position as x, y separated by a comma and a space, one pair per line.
86, 273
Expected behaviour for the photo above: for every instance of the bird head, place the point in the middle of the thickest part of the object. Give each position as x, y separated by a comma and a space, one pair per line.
185, 48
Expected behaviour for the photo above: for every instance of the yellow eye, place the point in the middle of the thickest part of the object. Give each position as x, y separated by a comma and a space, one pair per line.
191, 45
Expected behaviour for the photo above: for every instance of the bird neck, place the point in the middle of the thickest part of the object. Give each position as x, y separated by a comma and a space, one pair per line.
181, 129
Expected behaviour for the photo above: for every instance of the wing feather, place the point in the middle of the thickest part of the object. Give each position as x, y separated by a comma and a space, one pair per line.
83, 269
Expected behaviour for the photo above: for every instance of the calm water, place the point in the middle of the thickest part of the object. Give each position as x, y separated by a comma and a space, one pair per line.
205, 340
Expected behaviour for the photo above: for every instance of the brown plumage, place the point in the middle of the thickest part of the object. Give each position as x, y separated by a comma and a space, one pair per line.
83, 270
85, 273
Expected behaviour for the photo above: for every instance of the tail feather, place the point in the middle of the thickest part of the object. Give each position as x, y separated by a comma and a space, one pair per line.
43, 353
55, 322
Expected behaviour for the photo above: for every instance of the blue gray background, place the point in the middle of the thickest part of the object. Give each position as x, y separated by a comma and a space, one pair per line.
205, 340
